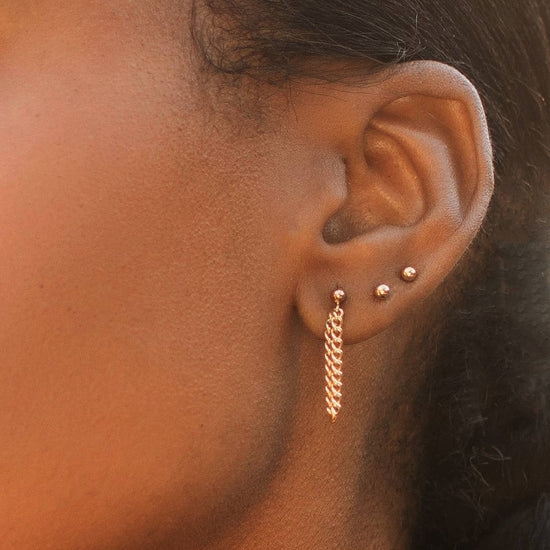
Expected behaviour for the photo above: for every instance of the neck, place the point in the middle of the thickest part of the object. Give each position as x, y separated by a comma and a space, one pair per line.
347, 484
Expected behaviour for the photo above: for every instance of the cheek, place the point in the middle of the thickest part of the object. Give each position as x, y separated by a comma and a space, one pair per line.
142, 325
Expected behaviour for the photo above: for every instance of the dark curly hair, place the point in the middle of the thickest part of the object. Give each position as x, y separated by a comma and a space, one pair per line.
486, 443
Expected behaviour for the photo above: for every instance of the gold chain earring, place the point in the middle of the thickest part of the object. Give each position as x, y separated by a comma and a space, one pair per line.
333, 355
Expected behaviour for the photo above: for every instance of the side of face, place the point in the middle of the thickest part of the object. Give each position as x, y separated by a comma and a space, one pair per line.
143, 372
165, 276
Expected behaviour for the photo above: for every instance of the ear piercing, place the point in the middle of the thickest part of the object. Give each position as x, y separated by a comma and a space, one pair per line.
408, 274
333, 355
334, 342
383, 291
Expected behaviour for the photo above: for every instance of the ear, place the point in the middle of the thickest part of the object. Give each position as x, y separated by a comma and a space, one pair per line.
417, 182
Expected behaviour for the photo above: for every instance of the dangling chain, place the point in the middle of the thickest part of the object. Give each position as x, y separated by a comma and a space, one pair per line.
333, 360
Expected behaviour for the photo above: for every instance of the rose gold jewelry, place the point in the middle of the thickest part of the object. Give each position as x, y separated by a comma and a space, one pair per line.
409, 274
382, 292
333, 355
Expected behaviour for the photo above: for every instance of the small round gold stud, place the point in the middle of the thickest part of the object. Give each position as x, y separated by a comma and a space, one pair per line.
409, 274
339, 295
382, 292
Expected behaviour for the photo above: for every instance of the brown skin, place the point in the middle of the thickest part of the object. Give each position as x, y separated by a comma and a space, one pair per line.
165, 285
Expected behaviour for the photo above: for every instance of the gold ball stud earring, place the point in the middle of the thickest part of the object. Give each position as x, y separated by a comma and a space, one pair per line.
409, 274
382, 292
333, 355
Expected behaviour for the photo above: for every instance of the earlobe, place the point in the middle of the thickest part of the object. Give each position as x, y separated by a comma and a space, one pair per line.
418, 183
